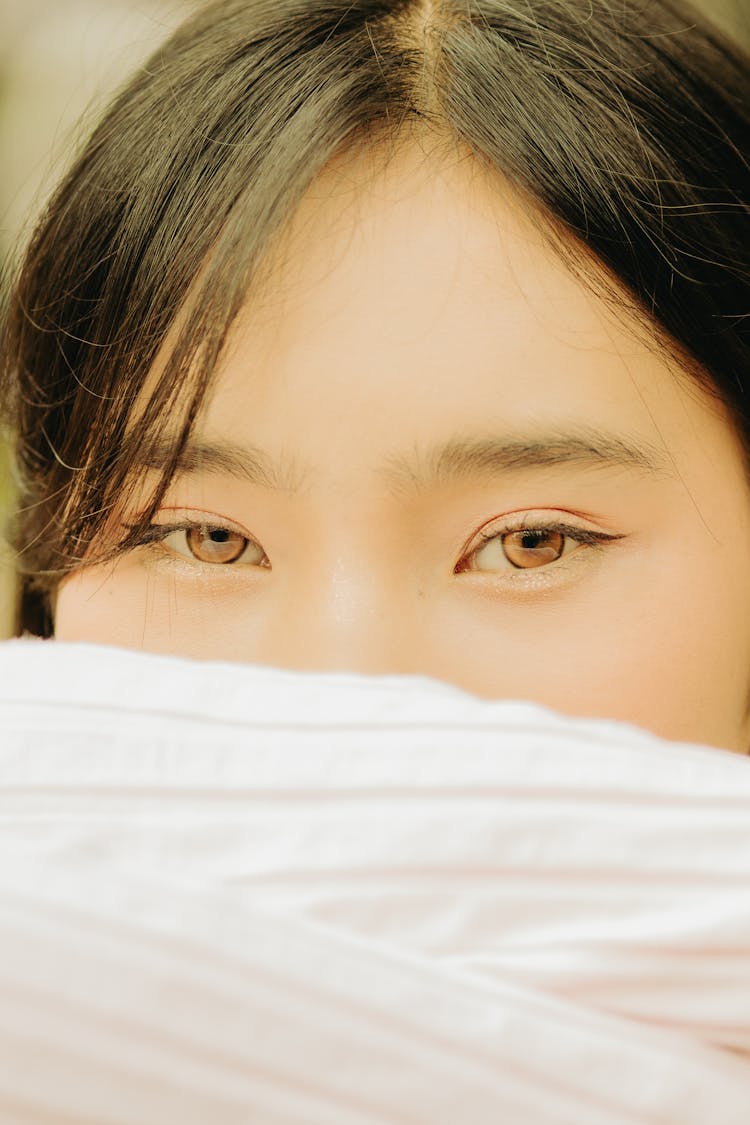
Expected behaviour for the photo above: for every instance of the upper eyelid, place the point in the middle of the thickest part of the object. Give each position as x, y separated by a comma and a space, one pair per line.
499, 525
572, 530
530, 521
196, 517
202, 520
538, 517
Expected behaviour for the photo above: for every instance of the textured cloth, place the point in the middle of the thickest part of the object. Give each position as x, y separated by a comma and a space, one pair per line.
238, 894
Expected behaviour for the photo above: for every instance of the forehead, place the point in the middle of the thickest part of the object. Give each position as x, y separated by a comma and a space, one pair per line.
412, 243
416, 300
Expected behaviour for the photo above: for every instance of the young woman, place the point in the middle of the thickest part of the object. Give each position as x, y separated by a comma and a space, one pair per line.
405, 337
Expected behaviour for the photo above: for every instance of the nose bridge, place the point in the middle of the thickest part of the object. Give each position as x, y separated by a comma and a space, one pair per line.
351, 594
342, 616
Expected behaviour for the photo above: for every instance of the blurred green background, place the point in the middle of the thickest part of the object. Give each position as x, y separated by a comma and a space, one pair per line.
59, 60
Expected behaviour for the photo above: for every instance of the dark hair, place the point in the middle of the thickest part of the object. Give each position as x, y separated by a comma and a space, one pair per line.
621, 120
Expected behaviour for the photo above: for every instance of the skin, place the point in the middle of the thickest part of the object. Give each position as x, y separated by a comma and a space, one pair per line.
414, 304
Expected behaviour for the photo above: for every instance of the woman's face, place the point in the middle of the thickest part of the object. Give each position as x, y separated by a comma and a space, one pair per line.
432, 450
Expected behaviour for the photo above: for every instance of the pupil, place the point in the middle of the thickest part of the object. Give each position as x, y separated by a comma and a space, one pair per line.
218, 535
532, 539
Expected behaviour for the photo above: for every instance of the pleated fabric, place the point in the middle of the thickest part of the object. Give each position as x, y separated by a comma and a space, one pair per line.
239, 894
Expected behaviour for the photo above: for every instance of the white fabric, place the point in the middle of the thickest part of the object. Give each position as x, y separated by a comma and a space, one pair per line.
237, 894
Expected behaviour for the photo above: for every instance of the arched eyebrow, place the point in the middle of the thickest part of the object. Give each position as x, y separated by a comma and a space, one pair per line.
457, 459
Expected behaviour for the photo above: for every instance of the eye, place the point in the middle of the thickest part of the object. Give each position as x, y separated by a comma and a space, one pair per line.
210, 544
530, 547
524, 549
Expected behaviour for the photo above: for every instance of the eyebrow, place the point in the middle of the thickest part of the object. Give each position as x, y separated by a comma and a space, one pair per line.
460, 458
516, 454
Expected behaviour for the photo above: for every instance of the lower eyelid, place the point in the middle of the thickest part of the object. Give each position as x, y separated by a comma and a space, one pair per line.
191, 568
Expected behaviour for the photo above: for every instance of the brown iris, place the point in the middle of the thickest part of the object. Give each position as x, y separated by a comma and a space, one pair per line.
215, 544
526, 549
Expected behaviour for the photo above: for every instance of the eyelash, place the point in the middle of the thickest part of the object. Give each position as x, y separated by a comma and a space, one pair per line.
554, 527
155, 534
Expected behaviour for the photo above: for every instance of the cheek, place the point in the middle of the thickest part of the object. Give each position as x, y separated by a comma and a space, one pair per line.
665, 645
92, 606
127, 606
696, 663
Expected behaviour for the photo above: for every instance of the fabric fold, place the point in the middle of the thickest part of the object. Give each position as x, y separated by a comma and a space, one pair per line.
241, 894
